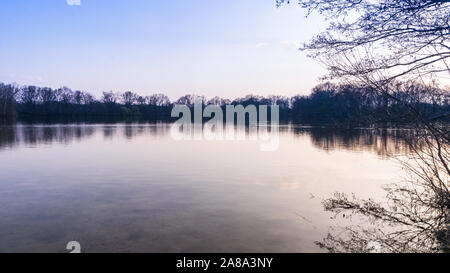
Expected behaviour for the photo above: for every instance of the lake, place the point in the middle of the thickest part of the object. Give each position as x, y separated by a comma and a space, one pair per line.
133, 188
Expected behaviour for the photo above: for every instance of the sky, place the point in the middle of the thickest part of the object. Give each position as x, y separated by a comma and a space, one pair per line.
214, 48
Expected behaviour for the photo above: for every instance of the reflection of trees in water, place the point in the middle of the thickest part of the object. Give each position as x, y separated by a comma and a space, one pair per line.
63, 134
11, 136
32, 135
371, 48
383, 142
8, 136
109, 131
416, 217
131, 130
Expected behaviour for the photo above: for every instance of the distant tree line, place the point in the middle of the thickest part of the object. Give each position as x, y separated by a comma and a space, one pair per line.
328, 104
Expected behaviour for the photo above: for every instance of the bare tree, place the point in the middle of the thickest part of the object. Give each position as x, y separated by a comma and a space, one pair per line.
189, 100
66, 95
158, 100
47, 95
78, 97
7, 100
377, 44
381, 45
29, 95
416, 216
109, 97
218, 101
379, 41
88, 98
129, 98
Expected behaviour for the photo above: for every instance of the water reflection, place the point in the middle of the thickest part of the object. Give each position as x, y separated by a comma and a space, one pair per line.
130, 187
383, 142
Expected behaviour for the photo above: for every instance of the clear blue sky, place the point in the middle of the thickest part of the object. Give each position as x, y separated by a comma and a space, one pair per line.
228, 48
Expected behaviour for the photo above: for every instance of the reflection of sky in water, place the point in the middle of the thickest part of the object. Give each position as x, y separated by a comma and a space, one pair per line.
131, 188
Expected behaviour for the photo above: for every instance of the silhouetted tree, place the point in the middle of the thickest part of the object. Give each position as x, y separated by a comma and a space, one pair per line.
78, 97
109, 97
47, 95
376, 42
387, 47
129, 98
416, 217
158, 100
7, 100
29, 96
66, 95
189, 100
218, 101
88, 98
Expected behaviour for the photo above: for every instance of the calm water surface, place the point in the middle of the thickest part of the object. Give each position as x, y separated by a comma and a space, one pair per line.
132, 188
